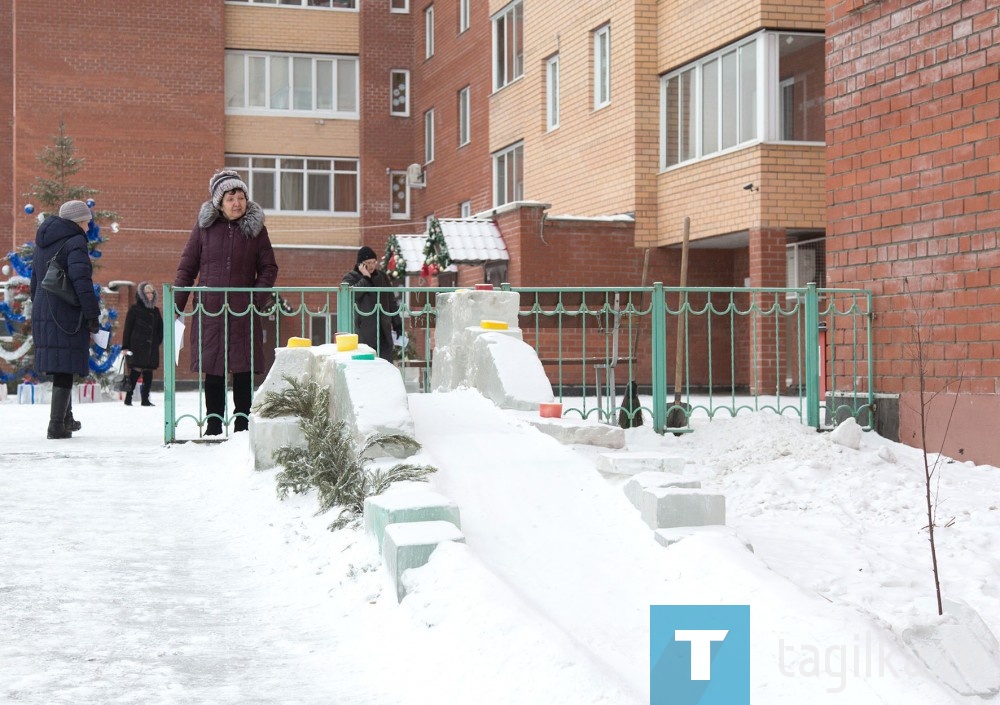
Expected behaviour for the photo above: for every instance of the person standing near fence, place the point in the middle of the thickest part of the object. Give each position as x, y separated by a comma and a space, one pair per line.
142, 338
61, 331
374, 327
228, 247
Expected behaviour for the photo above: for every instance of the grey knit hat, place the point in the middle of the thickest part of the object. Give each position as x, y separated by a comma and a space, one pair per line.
77, 211
224, 181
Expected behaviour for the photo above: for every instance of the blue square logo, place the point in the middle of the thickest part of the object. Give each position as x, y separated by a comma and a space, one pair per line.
699, 654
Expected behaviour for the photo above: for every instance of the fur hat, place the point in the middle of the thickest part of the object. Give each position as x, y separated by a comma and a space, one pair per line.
77, 211
366, 253
224, 181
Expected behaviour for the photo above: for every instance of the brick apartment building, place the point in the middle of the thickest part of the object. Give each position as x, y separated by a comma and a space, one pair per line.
588, 135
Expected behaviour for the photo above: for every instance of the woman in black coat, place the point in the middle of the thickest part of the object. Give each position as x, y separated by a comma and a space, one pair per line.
60, 330
376, 314
142, 338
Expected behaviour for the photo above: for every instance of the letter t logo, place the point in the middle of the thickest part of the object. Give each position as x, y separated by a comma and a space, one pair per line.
701, 649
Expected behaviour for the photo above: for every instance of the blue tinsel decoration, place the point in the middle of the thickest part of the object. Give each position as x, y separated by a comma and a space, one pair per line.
100, 367
9, 315
22, 268
113, 314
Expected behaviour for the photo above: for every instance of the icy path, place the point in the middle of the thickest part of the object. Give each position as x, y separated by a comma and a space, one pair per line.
133, 573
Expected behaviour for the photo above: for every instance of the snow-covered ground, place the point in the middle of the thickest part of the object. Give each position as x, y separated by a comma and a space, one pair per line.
132, 572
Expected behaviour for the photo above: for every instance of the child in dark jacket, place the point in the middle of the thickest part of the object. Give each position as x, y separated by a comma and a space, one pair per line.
142, 338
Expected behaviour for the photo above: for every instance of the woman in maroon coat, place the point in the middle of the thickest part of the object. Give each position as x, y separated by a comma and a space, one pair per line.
228, 247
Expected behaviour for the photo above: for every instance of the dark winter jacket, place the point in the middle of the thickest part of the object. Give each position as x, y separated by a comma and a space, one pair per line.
223, 253
143, 332
59, 330
374, 329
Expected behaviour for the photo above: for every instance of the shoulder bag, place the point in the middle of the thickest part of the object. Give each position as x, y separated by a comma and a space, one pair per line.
57, 282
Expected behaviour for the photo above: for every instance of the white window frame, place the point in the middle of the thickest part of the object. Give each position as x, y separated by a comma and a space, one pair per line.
245, 166
759, 99
404, 111
464, 116
508, 29
465, 209
291, 4
429, 136
511, 157
602, 67
403, 9
264, 63
552, 92
429, 32
399, 182
463, 15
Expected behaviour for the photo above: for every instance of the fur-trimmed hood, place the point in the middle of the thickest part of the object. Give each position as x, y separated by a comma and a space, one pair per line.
142, 299
250, 224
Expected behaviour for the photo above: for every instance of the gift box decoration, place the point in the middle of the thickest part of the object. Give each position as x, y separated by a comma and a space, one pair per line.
87, 393
30, 393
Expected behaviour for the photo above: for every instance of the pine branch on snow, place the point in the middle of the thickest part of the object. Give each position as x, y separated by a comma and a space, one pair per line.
331, 461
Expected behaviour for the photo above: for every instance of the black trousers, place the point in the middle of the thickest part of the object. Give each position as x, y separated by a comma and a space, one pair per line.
147, 381
215, 401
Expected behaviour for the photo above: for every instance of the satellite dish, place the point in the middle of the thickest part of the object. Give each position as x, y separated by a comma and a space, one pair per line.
415, 176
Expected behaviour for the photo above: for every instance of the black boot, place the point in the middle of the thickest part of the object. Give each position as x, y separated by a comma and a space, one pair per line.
215, 404
147, 387
57, 413
128, 398
71, 423
242, 397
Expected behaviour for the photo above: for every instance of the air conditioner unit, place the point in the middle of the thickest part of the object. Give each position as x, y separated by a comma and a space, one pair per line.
415, 176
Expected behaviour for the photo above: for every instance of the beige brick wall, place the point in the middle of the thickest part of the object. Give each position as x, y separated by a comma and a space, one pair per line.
292, 136
313, 230
588, 165
689, 29
291, 29
792, 192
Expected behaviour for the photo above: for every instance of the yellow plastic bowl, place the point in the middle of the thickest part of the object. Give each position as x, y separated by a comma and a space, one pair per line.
347, 341
493, 325
299, 343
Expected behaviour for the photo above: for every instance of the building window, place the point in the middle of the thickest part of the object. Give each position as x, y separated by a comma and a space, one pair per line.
429, 136
602, 67
766, 87
399, 6
508, 56
464, 117
399, 89
321, 4
508, 177
299, 184
429, 32
463, 15
292, 84
552, 93
399, 190
465, 209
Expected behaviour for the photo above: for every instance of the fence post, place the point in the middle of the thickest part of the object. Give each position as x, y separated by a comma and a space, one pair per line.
812, 356
169, 356
659, 353
345, 309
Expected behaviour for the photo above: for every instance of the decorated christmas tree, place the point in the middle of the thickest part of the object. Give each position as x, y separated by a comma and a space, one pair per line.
393, 262
436, 257
49, 192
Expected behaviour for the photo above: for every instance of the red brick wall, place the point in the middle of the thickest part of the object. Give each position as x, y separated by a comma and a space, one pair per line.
458, 173
913, 101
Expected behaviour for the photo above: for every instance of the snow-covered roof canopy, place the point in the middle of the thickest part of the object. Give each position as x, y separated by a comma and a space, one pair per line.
468, 239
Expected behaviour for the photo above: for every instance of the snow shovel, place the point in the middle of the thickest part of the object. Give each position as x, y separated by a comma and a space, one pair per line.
678, 416
629, 414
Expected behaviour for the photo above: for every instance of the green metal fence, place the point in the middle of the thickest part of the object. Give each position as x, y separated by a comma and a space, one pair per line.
804, 352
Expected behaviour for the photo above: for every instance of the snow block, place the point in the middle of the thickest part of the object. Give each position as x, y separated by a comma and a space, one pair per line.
410, 545
297, 363
960, 650
669, 507
631, 463
647, 480
367, 414
407, 506
668, 537
847, 434
507, 371
268, 435
459, 310
569, 431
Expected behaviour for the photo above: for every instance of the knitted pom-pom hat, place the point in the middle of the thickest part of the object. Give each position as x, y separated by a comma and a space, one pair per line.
77, 211
224, 181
